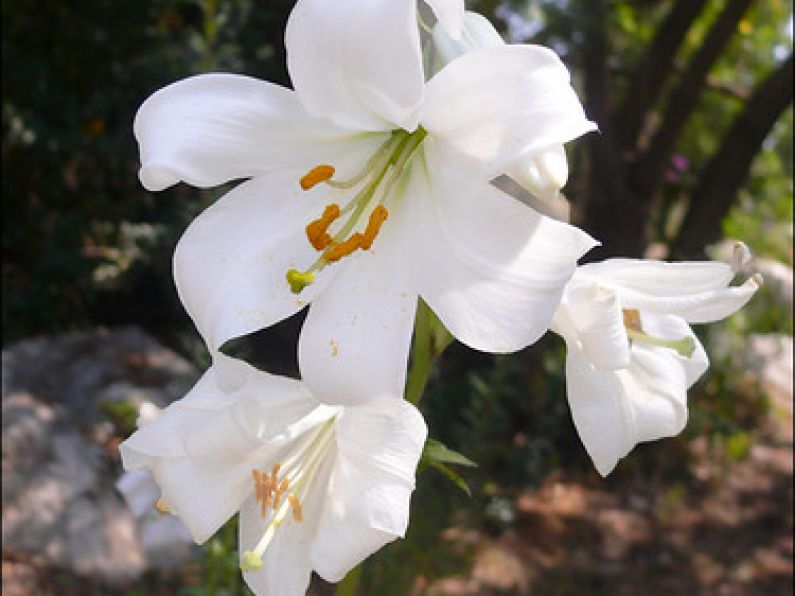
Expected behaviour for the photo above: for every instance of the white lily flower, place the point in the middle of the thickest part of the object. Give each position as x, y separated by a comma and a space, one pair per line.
631, 355
318, 487
542, 173
368, 140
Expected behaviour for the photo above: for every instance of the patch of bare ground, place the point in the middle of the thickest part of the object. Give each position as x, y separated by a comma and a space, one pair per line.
725, 531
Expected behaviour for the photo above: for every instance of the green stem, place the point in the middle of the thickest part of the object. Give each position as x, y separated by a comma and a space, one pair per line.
430, 340
422, 355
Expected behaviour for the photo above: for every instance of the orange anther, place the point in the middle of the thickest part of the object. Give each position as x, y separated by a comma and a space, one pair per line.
295, 506
257, 485
316, 175
632, 319
377, 218
317, 231
344, 248
162, 507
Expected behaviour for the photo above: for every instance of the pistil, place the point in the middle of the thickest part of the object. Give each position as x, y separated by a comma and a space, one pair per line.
684, 346
277, 496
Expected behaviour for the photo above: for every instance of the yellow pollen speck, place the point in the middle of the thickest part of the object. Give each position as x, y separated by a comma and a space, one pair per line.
335, 348
316, 175
295, 506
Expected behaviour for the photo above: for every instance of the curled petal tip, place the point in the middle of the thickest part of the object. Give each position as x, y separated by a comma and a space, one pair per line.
741, 256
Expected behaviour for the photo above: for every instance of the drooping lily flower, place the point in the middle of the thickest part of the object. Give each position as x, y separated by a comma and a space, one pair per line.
368, 187
542, 173
631, 355
318, 487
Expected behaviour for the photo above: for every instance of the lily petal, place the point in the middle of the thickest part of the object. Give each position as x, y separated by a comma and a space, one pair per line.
450, 15
476, 31
659, 278
355, 63
600, 412
521, 96
355, 341
702, 307
489, 267
371, 485
202, 448
599, 323
230, 264
615, 410
213, 128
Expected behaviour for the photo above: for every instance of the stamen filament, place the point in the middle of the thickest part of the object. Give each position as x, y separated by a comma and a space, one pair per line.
684, 346
385, 147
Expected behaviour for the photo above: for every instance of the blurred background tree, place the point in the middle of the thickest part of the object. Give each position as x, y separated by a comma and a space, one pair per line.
693, 100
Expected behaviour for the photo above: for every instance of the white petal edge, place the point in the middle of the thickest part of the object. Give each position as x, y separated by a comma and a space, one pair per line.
702, 307
212, 128
659, 278
496, 105
476, 32
492, 269
450, 14
358, 64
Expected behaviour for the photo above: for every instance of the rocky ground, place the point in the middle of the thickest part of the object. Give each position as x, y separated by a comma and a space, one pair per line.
69, 529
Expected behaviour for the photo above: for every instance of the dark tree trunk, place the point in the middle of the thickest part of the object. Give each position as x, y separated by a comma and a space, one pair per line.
729, 167
648, 173
607, 194
650, 76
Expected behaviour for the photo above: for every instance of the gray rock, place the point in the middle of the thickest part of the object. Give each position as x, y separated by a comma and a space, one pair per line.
60, 464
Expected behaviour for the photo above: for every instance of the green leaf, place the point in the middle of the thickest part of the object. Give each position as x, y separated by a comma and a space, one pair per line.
454, 476
436, 451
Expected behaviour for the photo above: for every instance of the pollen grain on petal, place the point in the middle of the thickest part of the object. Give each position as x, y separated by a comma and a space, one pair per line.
316, 175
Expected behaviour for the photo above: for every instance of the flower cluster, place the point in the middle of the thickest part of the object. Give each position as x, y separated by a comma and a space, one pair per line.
367, 187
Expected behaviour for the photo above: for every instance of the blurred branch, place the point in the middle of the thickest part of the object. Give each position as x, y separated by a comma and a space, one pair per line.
652, 72
727, 170
683, 100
